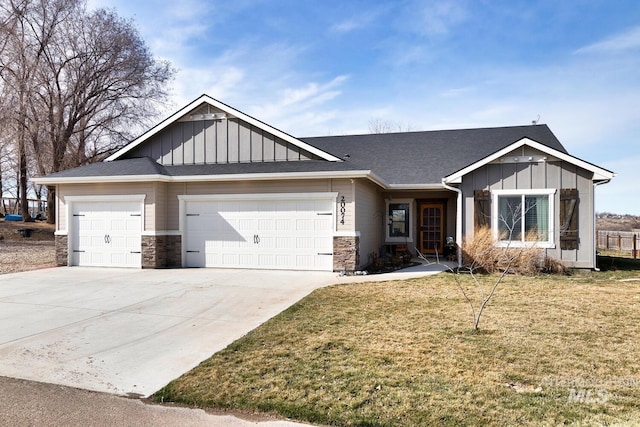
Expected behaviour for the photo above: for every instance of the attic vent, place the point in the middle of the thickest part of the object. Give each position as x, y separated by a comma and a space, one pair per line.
208, 116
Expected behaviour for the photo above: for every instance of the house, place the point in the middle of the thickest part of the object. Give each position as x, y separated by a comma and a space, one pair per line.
211, 186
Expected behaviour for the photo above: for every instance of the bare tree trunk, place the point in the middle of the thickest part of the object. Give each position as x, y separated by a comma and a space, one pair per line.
51, 204
24, 203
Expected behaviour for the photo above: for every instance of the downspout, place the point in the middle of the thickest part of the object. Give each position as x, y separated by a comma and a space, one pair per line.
458, 220
595, 231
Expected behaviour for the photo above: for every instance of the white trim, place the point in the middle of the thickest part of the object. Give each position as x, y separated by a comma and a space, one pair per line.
107, 198
412, 222
549, 243
162, 233
229, 110
255, 196
459, 219
100, 179
414, 186
599, 174
222, 177
346, 234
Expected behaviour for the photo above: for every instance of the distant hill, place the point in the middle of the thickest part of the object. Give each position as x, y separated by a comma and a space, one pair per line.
614, 222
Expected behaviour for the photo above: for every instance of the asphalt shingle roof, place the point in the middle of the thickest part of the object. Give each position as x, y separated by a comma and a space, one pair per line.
129, 167
397, 158
427, 157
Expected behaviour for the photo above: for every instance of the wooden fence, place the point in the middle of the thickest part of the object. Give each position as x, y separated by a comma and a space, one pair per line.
621, 241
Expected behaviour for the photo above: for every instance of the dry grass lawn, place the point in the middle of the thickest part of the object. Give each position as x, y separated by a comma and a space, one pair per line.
552, 350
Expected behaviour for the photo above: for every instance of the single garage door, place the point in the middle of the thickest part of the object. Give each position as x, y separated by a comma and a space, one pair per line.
107, 234
285, 234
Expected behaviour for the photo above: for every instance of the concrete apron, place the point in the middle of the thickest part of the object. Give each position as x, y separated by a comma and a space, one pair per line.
130, 331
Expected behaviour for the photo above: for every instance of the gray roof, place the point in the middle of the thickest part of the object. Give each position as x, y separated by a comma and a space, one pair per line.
427, 157
129, 167
397, 158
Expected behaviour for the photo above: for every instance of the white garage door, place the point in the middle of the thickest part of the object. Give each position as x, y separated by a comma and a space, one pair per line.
107, 234
294, 234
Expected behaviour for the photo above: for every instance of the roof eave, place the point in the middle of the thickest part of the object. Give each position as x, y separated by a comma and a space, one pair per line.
415, 186
353, 174
43, 180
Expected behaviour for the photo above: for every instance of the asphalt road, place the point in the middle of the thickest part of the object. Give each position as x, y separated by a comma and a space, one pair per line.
29, 403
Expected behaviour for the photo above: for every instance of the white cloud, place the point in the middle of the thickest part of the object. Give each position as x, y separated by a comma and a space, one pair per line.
618, 43
362, 20
300, 110
312, 90
435, 18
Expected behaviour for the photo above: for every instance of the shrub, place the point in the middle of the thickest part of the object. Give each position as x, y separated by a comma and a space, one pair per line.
481, 254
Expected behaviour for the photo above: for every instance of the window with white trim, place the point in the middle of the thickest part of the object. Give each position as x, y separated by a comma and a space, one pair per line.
523, 217
399, 219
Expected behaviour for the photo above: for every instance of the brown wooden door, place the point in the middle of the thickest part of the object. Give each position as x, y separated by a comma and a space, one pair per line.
431, 228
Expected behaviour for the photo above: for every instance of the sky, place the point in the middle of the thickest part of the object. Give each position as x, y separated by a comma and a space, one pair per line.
314, 68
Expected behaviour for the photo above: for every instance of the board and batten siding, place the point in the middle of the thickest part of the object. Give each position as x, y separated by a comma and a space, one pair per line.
112, 190
217, 142
539, 175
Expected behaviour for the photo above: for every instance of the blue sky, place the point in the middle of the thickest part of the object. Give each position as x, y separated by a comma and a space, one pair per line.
329, 67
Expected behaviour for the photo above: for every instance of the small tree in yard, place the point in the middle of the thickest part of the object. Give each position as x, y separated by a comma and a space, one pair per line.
482, 257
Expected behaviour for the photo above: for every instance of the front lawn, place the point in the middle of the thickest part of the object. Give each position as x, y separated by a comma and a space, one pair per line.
551, 350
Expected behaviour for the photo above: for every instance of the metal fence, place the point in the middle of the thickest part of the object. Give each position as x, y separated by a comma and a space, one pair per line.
621, 241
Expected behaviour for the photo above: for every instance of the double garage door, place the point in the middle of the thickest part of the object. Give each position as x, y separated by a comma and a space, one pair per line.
106, 234
271, 233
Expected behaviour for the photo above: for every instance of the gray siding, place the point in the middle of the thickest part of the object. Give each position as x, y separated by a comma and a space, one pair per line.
369, 217
217, 141
551, 174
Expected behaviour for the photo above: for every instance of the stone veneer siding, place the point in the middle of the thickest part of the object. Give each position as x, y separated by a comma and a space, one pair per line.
174, 251
161, 251
62, 251
346, 253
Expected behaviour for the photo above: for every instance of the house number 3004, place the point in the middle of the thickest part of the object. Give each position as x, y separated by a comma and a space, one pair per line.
343, 209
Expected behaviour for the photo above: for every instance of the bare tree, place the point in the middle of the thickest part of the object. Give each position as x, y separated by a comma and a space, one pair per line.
484, 256
379, 125
83, 81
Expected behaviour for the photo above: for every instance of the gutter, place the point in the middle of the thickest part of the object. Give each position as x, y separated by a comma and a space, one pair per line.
211, 178
458, 219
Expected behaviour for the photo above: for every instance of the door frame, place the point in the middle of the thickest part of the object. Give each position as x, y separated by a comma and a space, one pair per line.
442, 204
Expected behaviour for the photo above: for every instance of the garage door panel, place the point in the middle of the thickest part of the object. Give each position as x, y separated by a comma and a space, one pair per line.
107, 234
267, 233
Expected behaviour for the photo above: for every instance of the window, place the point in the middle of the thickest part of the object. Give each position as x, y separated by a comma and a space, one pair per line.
523, 217
399, 221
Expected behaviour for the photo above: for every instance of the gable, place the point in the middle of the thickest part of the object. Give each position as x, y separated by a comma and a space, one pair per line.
210, 132
526, 152
207, 135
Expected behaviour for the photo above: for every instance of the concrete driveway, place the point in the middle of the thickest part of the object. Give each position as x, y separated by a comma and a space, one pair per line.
128, 331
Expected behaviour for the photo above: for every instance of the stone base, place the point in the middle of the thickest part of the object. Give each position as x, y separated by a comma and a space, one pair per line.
62, 251
161, 251
174, 251
346, 253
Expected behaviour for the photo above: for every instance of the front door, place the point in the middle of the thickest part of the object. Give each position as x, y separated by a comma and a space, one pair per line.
431, 227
